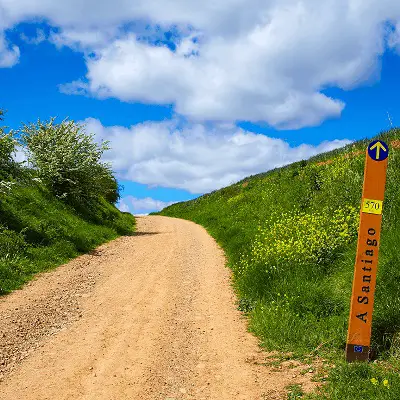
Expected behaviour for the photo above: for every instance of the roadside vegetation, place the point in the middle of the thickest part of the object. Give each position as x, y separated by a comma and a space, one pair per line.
57, 204
290, 236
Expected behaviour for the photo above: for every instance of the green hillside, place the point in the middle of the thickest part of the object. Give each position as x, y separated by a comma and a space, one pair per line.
38, 232
290, 236
60, 206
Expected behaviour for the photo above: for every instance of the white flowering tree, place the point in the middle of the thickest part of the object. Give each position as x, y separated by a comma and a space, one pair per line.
68, 161
7, 148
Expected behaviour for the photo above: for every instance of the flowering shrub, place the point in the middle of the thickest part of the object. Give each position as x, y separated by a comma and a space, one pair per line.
6, 186
7, 148
297, 237
68, 161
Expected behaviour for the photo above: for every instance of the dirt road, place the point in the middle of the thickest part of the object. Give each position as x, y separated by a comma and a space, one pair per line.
151, 316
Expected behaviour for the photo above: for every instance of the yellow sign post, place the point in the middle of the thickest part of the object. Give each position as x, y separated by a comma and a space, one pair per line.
362, 299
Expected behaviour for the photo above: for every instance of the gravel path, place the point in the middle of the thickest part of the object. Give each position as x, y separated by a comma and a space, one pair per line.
150, 316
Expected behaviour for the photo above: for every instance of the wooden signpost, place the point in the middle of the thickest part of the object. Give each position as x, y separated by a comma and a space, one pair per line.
362, 299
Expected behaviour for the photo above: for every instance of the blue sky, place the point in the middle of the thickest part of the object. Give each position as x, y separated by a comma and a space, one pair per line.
192, 100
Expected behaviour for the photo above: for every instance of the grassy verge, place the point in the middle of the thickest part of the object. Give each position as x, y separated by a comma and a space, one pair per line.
39, 232
290, 237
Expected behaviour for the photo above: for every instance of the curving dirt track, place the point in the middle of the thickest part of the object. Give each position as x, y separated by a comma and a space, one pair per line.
151, 316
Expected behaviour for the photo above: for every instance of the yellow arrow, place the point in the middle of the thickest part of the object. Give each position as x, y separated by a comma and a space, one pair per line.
378, 146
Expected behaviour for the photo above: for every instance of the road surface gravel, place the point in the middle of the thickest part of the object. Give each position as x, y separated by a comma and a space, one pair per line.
150, 316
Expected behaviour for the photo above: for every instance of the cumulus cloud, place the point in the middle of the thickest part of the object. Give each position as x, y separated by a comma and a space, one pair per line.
220, 88
242, 60
197, 158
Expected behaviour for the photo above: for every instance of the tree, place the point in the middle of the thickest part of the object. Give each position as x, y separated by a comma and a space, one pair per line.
7, 148
68, 160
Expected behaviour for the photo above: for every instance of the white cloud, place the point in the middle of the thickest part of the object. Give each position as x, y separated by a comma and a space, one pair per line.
122, 206
83, 39
196, 158
9, 54
234, 60
138, 205
77, 87
217, 18
20, 155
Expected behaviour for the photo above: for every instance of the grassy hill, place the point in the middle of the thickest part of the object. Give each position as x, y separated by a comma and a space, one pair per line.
290, 236
39, 231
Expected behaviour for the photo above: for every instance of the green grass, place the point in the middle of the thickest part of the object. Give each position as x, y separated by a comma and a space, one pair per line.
294, 392
39, 232
290, 236
361, 382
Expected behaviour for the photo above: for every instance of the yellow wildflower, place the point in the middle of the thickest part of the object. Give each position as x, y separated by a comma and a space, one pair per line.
374, 381
385, 383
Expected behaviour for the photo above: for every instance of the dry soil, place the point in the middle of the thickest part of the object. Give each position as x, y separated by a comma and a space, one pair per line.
150, 316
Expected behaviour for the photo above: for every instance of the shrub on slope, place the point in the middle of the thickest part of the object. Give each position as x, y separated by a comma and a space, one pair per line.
68, 161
